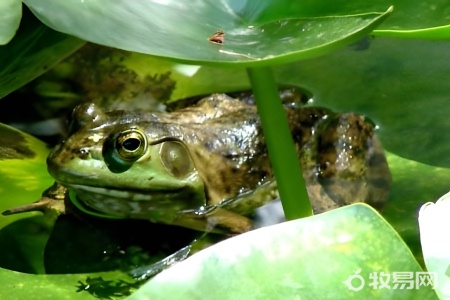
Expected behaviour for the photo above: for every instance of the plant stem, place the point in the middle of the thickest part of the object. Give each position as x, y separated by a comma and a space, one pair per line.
282, 153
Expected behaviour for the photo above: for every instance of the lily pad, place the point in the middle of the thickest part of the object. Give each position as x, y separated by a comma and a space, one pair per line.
340, 251
143, 26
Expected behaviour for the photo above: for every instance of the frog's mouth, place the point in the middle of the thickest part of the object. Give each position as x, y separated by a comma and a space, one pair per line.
129, 195
158, 206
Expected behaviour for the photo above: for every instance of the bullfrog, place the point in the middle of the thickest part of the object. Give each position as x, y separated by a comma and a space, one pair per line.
206, 166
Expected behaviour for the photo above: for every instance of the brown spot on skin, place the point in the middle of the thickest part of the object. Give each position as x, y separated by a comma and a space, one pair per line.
227, 189
223, 176
326, 158
208, 145
342, 146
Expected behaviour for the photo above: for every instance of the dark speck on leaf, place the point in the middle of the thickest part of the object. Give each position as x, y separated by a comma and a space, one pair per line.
218, 37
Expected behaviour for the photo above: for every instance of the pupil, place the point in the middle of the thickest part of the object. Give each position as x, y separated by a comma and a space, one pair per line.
131, 144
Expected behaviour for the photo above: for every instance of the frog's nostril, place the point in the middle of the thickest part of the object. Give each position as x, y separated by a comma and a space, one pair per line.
83, 153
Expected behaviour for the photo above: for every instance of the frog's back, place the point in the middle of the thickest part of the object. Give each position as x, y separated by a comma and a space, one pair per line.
342, 159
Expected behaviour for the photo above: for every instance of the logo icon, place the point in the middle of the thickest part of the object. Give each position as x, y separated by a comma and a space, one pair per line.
352, 281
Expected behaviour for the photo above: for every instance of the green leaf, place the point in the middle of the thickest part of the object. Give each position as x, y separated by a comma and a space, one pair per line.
248, 39
34, 50
10, 14
310, 258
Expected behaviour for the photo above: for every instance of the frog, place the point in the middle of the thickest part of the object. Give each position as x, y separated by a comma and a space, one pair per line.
206, 166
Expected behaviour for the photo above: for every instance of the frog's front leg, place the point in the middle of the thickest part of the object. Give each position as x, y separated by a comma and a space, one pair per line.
214, 219
52, 200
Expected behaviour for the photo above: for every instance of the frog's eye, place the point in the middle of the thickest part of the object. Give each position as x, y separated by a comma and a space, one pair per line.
131, 144
176, 159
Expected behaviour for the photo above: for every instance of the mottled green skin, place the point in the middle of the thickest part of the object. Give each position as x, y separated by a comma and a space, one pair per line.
225, 172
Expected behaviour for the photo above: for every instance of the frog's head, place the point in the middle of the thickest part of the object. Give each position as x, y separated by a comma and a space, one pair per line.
126, 165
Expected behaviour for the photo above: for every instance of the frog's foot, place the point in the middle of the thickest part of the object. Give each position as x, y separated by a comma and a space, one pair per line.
45, 204
229, 221
217, 220
52, 200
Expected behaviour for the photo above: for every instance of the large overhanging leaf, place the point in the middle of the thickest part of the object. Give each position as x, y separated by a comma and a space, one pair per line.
161, 26
180, 30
